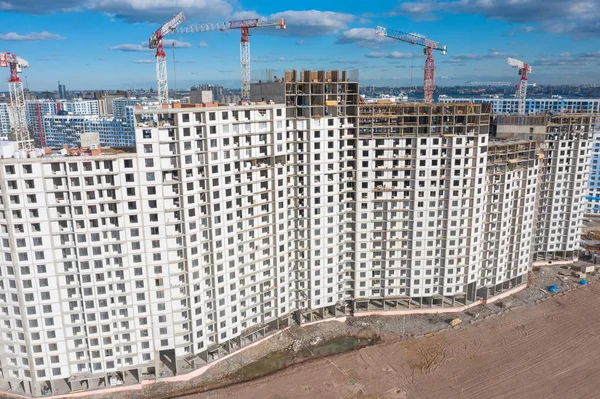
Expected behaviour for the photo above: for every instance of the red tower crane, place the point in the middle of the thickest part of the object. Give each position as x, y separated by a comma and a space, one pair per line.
244, 25
429, 47
17, 98
156, 42
524, 69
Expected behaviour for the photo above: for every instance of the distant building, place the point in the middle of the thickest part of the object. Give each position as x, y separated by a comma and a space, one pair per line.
4, 121
217, 91
201, 97
62, 130
593, 198
120, 105
105, 102
37, 109
62, 92
555, 104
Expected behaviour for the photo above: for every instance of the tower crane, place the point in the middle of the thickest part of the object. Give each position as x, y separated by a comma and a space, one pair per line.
429, 47
156, 42
244, 25
524, 69
17, 97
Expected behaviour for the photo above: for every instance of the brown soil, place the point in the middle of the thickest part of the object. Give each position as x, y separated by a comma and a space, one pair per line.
544, 351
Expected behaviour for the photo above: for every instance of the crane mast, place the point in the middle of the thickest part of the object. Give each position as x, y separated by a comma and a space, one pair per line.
521, 94
429, 47
156, 42
244, 25
17, 98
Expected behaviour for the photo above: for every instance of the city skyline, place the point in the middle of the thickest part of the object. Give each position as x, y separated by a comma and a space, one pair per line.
70, 41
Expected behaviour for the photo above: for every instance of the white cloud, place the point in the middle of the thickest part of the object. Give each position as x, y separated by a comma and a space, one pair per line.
143, 47
168, 43
490, 55
156, 11
312, 22
578, 18
300, 23
30, 37
143, 62
245, 15
159, 11
202, 44
130, 47
306, 23
393, 54
362, 37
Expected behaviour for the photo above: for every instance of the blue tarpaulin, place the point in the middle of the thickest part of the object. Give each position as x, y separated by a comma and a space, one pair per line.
553, 289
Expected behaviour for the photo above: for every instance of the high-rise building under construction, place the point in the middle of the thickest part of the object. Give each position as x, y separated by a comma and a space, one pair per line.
230, 222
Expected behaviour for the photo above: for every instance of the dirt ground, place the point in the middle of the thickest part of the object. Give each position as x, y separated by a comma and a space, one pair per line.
545, 351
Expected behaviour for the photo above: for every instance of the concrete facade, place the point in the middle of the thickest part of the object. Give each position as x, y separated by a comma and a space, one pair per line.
229, 223
565, 140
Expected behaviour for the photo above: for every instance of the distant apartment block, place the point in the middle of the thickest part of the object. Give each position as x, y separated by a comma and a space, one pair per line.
5, 128
62, 130
121, 104
36, 110
556, 104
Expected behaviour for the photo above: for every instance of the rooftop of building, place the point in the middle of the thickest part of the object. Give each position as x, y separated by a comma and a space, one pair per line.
543, 119
9, 153
182, 108
416, 108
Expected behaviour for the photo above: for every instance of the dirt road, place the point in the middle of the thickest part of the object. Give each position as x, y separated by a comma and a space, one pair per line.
550, 350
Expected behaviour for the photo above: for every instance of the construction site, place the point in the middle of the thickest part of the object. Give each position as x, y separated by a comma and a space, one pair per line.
238, 240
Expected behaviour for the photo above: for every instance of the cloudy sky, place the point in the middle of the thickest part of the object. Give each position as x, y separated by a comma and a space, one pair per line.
94, 44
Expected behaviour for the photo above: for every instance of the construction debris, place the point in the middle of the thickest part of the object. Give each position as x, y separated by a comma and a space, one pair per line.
455, 322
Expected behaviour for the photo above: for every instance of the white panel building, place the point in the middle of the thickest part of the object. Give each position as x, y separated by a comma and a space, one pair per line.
566, 143
36, 110
510, 105
113, 263
511, 189
66, 130
5, 128
229, 223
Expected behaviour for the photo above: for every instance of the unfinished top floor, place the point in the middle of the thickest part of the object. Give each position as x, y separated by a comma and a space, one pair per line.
544, 127
546, 120
333, 76
422, 118
512, 152
423, 109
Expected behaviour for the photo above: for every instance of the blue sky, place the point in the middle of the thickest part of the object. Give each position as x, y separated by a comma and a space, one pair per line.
101, 44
